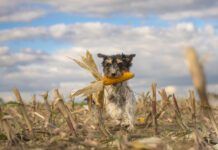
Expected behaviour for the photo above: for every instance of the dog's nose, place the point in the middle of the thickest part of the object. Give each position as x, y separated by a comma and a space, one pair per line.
113, 74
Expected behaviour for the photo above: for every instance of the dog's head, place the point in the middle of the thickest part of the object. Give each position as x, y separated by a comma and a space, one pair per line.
116, 65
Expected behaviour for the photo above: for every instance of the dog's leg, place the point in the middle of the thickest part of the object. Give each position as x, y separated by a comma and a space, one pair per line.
129, 114
115, 112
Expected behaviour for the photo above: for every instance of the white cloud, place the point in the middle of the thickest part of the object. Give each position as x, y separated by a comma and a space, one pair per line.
170, 89
22, 16
167, 9
21, 33
4, 50
36, 71
58, 30
5, 3
20, 11
10, 59
185, 27
199, 13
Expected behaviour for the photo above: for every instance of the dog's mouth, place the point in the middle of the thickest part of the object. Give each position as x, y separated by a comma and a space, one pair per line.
114, 75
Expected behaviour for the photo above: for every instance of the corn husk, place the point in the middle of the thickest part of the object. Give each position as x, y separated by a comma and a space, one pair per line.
95, 88
87, 62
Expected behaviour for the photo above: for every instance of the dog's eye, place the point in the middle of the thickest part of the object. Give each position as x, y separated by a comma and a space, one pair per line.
108, 64
120, 64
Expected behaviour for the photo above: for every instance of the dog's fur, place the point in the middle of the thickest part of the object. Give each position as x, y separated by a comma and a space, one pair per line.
119, 98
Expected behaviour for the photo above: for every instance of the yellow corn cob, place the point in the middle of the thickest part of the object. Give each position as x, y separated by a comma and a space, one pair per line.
124, 77
141, 120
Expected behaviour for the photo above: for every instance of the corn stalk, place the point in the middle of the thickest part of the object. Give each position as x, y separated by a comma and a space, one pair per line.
23, 110
199, 81
193, 105
154, 107
178, 114
64, 111
48, 119
34, 102
5, 125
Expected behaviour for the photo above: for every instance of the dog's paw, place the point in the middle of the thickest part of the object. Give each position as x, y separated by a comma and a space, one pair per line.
117, 122
128, 127
124, 125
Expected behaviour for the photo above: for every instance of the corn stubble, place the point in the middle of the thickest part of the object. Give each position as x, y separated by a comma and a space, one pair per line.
163, 122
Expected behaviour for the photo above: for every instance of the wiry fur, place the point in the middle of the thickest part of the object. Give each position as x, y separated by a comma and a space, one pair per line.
119, 98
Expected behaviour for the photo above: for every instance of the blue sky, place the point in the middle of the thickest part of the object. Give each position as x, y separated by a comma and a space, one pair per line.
36, 36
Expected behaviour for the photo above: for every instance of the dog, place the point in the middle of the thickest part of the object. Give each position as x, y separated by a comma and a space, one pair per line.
119, 98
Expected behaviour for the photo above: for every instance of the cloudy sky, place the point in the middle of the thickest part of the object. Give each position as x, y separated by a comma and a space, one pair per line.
36, 36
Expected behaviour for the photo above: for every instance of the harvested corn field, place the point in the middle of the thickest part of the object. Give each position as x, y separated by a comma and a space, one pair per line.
56, 124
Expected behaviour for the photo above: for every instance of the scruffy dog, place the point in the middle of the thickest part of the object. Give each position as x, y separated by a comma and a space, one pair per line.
119, 98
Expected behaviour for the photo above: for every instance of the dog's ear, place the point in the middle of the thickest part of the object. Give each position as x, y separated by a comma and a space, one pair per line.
101, 55
127, 59
130, 57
